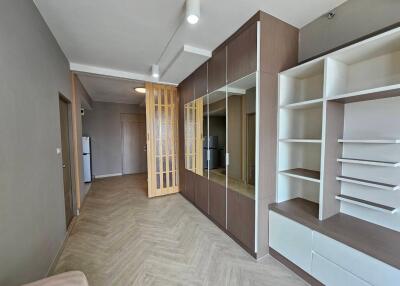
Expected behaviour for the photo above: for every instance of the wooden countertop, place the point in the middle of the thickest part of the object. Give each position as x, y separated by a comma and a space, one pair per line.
374, 240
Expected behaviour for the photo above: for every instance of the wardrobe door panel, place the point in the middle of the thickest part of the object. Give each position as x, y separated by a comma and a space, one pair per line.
241, 218
217, 203
187, 89
200, 81
189, 186
242, 54
217, 70
201, 194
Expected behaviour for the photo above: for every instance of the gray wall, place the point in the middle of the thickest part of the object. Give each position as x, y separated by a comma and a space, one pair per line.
103, 124
33, 70
354, 19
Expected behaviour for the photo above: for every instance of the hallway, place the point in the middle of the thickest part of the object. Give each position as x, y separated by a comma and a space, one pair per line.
124, 238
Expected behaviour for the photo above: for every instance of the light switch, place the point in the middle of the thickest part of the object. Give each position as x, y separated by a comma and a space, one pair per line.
58, 150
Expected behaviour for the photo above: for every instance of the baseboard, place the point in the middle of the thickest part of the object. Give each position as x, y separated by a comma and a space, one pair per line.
300, 272
108, 175
59, 252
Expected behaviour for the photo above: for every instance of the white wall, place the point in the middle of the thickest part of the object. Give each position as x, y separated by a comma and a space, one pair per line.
354, 19
33, 70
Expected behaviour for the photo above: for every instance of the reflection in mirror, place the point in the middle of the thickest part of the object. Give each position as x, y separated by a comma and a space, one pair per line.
194, 127
217, 136
242, 135
204, 101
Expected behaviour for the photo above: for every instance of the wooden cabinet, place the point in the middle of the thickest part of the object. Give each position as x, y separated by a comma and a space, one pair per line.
200, 81
189, 186
201, 193
187, 89
217, 203
241, 218
242, 54
217, 70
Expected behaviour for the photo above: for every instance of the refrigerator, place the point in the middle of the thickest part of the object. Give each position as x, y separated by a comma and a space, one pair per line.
87, 159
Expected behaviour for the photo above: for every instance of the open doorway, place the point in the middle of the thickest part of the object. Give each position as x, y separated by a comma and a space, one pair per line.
134, 152
66, 159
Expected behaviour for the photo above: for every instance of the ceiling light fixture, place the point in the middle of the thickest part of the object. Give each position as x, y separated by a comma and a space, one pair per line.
155, 71
192, 11
140, 89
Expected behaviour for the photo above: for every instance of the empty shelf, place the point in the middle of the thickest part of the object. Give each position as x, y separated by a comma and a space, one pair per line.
370, 141
369, 162
367, 204
367, 183
305, 174
315, 141
368, 94
304, 104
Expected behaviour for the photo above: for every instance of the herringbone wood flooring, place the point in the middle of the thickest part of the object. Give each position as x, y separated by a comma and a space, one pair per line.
124, 238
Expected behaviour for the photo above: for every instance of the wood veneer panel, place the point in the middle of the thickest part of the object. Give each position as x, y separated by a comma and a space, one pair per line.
217, 70
189, 186
242, 54
201, 194
279, 44
217, 203
374, 240
241, 218
200, 81
187, 89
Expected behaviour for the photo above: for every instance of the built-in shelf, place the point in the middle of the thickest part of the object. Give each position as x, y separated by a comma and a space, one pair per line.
314, 141
367, 204
304, 104
305, 174
382, 186
369, 162
368, 94
370, 141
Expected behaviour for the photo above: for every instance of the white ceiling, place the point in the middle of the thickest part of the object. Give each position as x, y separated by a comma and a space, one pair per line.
123, 38
116, 90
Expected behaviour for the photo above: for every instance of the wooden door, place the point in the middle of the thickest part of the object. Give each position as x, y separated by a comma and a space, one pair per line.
66, 160
162, 139
134, 158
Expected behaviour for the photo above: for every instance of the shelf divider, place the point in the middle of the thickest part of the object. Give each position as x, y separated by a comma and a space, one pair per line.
378, 185
367, 204
304, 174
368, 94
313, 141
369, 162
304, 104
370, 141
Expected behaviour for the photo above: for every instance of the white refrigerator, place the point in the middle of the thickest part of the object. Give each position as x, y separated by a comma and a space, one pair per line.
87, 159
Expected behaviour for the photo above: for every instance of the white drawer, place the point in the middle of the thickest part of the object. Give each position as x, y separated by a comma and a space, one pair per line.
291, 239
361, 265
331, 274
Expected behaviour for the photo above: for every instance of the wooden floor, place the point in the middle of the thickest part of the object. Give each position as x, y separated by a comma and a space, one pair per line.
124, 238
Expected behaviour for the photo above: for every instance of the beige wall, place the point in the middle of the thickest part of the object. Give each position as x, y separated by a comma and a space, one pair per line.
103, 125
33, 71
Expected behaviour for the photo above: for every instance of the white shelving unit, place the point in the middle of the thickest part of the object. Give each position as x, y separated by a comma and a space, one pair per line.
369, 162
336, 113
370, 141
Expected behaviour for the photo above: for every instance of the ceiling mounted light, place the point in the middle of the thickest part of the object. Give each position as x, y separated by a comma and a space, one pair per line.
140, 89
192, 11
155, 71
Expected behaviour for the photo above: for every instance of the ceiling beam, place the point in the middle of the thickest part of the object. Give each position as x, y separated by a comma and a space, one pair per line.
88, 69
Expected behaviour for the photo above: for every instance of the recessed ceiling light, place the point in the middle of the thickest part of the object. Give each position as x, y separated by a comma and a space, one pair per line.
155, 71
192, 11
140, 89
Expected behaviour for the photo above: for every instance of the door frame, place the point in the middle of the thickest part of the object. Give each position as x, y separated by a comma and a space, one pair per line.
63, 98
